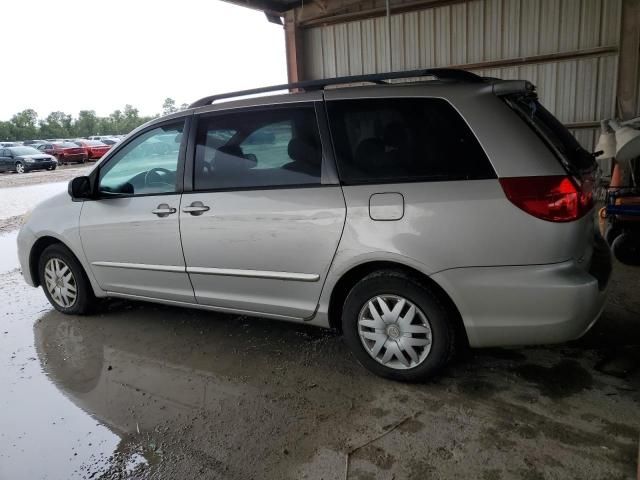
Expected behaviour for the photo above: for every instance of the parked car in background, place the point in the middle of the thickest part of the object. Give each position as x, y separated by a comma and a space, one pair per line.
24, 159
95, 148
33, 142
110, 140
8, 144
65, 152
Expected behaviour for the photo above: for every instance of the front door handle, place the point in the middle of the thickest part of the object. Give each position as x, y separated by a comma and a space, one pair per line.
163, 210
196, 208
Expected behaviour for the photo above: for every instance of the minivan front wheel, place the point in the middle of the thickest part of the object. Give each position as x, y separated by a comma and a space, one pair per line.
64, 281
397, 327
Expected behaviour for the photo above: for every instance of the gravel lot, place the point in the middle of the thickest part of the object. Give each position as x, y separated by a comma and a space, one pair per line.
144, 391
63, 173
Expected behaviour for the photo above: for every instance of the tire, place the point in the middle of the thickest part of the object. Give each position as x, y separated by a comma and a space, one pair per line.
51, 168
60, 256
20, 167
626, 248
392, 286
611, 233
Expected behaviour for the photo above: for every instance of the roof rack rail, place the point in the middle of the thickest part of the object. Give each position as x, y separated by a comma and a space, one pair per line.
378, 78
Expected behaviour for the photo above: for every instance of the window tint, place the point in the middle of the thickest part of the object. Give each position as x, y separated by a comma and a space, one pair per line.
255, 149
408, 139
147, 164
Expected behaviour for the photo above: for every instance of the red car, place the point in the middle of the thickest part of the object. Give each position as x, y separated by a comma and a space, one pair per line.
65, 152
94, 148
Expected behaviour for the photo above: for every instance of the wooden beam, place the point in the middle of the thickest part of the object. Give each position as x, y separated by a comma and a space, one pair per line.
293, 45
629, 61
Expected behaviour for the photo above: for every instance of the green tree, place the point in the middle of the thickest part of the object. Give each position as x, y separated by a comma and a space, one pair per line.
169, 106
86, 124
114, 123
25, 124
131, 119
56, 125
6, 131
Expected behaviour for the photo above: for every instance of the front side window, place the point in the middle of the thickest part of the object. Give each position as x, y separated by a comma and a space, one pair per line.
146, 165
258, 149
404, 140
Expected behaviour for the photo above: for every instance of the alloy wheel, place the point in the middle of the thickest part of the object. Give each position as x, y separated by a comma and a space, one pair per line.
19, 168
394, 331
60, 282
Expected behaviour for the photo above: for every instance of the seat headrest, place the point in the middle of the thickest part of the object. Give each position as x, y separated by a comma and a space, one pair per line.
301, 151
395, 135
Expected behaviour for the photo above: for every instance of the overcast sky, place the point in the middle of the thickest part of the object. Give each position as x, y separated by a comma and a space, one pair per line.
72, 55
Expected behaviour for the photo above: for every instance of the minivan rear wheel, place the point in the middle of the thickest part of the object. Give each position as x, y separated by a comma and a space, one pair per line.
397, 327
64, 281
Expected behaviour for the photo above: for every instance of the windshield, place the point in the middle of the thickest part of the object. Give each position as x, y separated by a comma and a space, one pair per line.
573, 156
25, 151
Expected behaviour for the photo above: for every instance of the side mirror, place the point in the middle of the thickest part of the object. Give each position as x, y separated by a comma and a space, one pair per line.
80, 188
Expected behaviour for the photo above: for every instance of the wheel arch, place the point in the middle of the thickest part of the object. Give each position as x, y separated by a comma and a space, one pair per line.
34, 256
348, 280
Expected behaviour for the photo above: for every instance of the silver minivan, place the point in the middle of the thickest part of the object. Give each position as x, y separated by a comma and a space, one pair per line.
413, 217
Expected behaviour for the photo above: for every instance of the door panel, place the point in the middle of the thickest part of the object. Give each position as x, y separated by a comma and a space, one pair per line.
131, 236
265, 251
134, 251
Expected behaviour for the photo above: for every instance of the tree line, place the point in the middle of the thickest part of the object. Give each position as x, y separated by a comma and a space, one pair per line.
26, 125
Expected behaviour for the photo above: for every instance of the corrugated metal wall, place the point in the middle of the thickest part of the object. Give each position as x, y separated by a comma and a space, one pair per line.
576, 90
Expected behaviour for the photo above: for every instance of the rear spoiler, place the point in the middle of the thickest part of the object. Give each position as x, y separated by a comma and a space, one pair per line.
511, 87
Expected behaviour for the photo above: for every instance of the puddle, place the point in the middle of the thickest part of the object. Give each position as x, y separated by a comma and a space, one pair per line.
566, 378
9, 252
42, 433
18, 200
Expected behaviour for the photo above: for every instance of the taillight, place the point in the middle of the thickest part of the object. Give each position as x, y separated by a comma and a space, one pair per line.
555, 199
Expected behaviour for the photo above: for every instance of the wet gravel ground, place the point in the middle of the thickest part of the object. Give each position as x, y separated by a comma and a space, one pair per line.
146, 391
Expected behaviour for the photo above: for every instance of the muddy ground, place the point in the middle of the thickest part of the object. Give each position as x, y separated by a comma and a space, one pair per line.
145, 391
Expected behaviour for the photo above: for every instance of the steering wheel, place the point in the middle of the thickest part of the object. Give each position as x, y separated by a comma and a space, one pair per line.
160, 174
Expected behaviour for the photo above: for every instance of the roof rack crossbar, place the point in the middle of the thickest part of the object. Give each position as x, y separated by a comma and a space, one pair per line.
378, 78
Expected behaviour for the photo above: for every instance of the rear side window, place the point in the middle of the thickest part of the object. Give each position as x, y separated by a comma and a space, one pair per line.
404, 140
254, 149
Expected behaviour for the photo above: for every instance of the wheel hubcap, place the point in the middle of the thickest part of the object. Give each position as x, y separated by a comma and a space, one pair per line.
394, 331
60, 282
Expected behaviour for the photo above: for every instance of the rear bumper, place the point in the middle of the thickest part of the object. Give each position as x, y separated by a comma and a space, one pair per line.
525, 305
75, 157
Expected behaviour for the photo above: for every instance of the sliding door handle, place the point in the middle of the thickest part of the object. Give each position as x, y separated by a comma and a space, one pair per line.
196, 208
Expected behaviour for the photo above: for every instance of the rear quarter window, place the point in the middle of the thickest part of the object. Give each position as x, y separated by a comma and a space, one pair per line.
404, 140
575, 159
